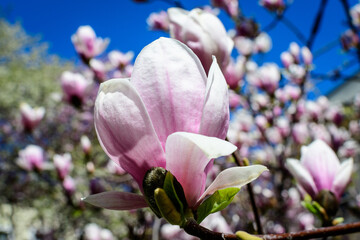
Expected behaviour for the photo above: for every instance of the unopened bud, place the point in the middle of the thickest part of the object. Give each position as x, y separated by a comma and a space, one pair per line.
328, 201
166, 207
154, 178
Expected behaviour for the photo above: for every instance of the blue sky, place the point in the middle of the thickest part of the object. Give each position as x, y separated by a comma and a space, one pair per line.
124, 22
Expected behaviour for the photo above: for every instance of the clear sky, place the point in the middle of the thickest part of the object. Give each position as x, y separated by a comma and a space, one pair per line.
124, 22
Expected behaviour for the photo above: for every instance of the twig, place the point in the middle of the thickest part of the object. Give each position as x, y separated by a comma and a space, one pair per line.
316, 24
192, 228
252, 198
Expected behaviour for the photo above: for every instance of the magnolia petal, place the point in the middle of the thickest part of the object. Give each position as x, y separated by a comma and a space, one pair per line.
302, 176
171, 81
321, 162
342, 177
188, 154
124, 129
233, 177
116, 200
215, 117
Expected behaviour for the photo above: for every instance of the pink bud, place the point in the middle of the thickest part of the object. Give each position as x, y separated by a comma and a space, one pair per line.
306, 55
85, 144
300, 133
273, 5
294, 49
31, 117
69, 184
287, 59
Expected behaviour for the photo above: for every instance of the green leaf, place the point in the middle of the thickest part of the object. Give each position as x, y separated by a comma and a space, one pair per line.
175, 192
216, 202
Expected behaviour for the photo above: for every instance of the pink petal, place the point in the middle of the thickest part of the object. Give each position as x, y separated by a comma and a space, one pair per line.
116, 200
188, 154
302, 176
321, 162
124, 129
342, 177
171, 81
215, 117
233, 177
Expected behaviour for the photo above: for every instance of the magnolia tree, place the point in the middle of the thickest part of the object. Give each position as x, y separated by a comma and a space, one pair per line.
192, 140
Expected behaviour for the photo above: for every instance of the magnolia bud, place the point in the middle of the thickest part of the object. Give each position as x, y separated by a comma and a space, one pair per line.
328, 201
153, 179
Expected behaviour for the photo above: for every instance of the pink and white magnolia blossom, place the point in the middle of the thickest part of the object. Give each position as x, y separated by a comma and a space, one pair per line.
31, 158
120, 60
306, 55
31, 117
74, 87
158, 21
93, 231
168, 115
230, 6
294, 49
319, 169
244, 45
234, 72
273, 5
286, 59
63, 164
203, 33
300, 133
86, 44
263, 43
268, 77
99, 68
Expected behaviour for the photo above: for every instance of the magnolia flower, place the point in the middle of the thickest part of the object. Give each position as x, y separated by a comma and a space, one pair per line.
287, 59
31, 117
273, 5
74, 87
99, 68
141, 125
319, 169
120, 60
204, 33
31, 158
263, 42
158, 21
87, 44
234, 72
306, 55
230, 6
63, 164
268, 77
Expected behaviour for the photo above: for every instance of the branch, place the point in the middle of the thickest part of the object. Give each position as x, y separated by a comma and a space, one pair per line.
194, 229
316, 24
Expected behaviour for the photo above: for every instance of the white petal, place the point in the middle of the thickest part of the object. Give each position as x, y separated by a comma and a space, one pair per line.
188, 154
116, 200
234, 177
302, 176
342, 177
215, 117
